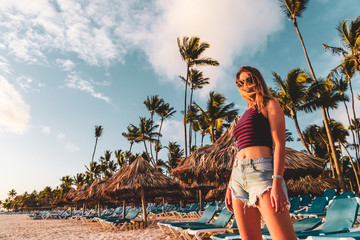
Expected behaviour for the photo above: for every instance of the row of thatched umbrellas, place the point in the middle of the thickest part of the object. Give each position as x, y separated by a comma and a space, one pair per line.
207, 168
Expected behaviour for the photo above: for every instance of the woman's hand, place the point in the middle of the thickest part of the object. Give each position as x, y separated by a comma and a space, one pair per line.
278, 197
228, 200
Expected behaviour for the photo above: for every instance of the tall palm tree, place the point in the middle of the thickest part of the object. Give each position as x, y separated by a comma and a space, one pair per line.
147, 133
292, 95
216, 113
152, 103
196, 81
341, 87
190, 52
98, 133
132, 135
165, 111
293, 9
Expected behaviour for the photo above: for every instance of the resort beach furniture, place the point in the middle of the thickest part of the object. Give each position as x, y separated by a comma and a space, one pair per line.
316, 210
340, 217
329, 194
299, 226
206, 217
220, 223
121, 223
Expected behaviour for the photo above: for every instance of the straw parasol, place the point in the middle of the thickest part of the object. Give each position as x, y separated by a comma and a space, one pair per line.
212, 164
140, 178
310, 185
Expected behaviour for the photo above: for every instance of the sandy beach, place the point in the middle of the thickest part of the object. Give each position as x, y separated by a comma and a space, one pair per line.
20, 227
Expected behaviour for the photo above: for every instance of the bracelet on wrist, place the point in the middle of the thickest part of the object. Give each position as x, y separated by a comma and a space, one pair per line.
276, 176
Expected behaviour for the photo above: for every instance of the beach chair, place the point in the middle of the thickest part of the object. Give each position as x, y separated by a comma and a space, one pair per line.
299, 226
294, 204
340, 217
119, 224
219, 224
329, 194
348, 194
305, 200
316, 209
206, 217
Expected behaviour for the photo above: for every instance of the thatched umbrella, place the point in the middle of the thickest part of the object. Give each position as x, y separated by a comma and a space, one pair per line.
213, 163
80, 195
141, 178
310, 185
95, 193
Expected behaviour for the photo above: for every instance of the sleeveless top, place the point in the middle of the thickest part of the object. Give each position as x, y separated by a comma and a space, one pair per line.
252, 129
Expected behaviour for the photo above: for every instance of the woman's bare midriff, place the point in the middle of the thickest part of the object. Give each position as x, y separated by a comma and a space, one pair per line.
254, 152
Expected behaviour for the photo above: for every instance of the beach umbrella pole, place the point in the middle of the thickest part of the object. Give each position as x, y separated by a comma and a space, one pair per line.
143, 207
124, 209
163, 202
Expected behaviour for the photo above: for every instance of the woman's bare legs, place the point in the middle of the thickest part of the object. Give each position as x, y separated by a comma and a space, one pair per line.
248, 220
279, 224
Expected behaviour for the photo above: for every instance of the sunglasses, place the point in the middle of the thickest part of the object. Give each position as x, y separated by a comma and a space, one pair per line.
249, 81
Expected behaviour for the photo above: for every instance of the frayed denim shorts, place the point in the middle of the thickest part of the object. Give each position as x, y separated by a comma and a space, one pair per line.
251, 178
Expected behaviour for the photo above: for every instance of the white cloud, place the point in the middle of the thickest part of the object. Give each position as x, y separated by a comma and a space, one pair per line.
76, 82
46, 130
4, 65
14, 112
173, 131
65, 64
103, 32
27, 83
60, 137
71, 147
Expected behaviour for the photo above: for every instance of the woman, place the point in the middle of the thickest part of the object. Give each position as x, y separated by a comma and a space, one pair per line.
256, 188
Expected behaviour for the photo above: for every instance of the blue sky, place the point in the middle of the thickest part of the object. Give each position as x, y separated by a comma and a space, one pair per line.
66, 66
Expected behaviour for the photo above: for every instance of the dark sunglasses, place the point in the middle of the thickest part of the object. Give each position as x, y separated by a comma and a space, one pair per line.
248, 80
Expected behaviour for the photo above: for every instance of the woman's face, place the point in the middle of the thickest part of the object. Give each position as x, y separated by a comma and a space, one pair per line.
245, 82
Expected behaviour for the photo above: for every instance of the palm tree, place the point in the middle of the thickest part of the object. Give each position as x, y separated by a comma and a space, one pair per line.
293, 9
342, 86
93, 172
98, 133
147, 132
79, 179
196, 81
190, 52
191, 118
132, 135
216, 114
292, 95
120, 157
174, 155
152, 104
66, 182
107, 166
165, 112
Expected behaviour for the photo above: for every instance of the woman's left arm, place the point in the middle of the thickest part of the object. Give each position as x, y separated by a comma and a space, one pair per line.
278, 133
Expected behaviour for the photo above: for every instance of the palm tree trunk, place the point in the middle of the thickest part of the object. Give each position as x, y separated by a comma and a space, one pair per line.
161, 123
190, 125
300, 135
202, 140
353, 166
354, 139
354, 113
96, 140
147, 153
331, 163
186, 83
331, 141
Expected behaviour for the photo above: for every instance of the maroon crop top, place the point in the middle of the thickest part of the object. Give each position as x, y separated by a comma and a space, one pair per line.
252, 129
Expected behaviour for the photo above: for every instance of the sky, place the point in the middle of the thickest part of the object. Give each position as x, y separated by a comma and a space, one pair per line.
68, 65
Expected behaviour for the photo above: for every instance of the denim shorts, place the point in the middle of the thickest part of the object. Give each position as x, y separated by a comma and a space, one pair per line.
251, 178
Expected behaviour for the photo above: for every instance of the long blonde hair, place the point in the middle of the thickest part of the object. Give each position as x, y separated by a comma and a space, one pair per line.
260, 89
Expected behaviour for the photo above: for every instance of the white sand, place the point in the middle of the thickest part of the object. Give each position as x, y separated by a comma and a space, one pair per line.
20, 227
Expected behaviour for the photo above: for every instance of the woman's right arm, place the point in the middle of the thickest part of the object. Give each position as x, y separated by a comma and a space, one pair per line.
228, 198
